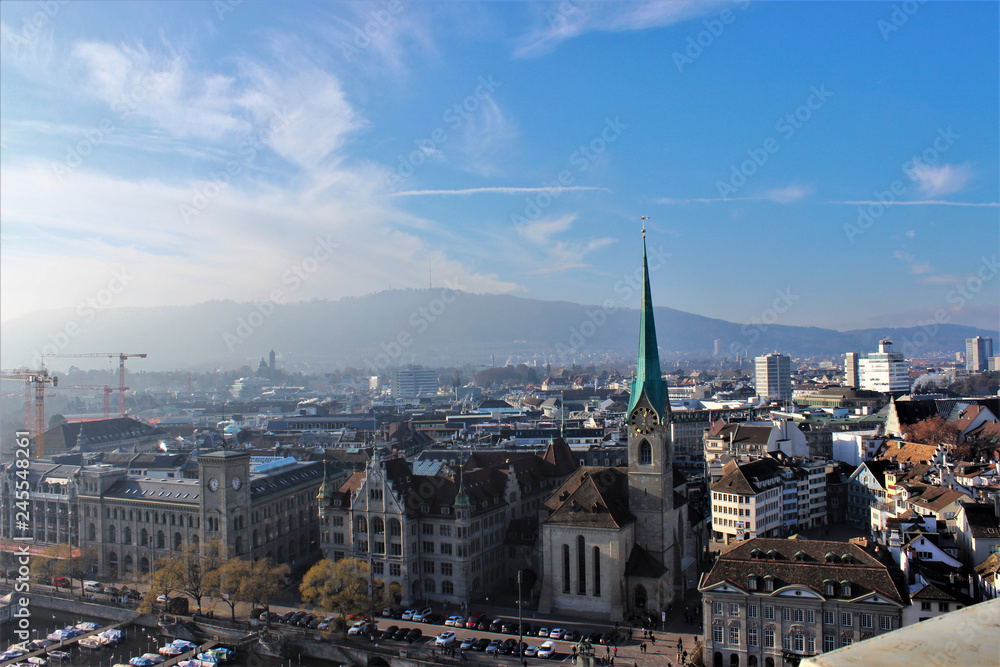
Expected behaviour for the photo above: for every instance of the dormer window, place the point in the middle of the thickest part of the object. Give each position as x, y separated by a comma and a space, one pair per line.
768, 583
800, 556
752, 582
755, 553
846, 558
828, 588
771, 554
845, 588
829, 557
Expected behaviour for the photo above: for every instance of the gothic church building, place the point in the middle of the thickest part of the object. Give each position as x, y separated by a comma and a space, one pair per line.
618, 539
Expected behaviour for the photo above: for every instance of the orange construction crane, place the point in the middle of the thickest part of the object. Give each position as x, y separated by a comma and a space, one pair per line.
107, 388
39, 379
122, 356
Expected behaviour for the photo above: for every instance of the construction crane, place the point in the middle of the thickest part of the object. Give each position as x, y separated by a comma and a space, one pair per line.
122, 356
106, 388
39, 379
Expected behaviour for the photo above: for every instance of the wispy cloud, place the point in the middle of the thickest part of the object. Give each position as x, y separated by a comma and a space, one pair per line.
786, 195
541, 231
934, 181
924, 202
494, 190
559, 22
487, 138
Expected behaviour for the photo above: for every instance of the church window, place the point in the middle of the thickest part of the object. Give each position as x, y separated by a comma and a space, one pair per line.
581, 554
597, 571
565, 551
645, 453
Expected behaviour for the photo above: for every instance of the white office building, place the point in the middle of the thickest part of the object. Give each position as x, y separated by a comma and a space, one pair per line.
978, 351
885, 371
774, 376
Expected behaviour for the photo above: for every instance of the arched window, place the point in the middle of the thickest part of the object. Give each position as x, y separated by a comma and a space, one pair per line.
447, 588
845, 588
194, 540
828, 587
640, 597
597, 571
112, 533
128, 535
566, 576
92, 533
395, 528
161, 539
377, 526
752, 661
734, 660
752, 582
128, 562
239, 545
645, 453
143, 537
256, 538
768, 583
581, 566
177, 541
362, 525
144, 565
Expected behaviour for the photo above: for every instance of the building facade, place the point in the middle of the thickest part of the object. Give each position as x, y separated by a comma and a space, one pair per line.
771, 602
978, 351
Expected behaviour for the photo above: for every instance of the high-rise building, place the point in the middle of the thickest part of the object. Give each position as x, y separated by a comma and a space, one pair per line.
978, 351
885, 371
774, 376
852, 377
718, 346
413, 382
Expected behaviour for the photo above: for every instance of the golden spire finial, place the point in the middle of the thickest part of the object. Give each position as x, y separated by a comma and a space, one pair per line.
644, 219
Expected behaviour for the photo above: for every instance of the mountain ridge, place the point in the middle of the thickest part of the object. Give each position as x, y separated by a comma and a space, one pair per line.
436, 326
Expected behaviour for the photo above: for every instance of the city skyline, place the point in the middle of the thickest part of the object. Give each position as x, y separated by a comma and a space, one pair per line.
175, 154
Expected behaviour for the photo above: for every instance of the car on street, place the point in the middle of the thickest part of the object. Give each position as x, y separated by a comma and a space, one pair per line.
414, 634
287, 616
556, 633
543, 632
570, 636
359, 628
401, 634
496, 625
445, 639
474, 620
483, 624
390, 632
608, 638
481, 644
508, 627
467, 643
60, 581
327, 623
408, 614
595, 637
508, 646
527, 630
530, 652
418, 616
494, 647
434, 619
547, 649
454, 621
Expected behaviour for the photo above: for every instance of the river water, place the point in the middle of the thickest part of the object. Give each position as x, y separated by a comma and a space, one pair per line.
139, 640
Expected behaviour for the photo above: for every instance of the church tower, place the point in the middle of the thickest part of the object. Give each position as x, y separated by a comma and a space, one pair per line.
650, 450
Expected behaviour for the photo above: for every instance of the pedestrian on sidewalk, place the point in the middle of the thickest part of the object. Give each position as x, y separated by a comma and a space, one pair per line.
630, 634
652, 638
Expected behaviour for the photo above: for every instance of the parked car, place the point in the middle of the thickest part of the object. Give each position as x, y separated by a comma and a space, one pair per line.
474, 620
530, 652
327, 623
494, 646
60, 581
481, 644
445, 639
608, 638
467, 643
93, 587
390, 632
413, 635
287, 616
408, 614
543, 632
528, 630
306, 620
570, 636
315, 623
595, 637
508, 646
401, 634
547, 649
359, 628
453, 621
556, 633
496, 625
265, 615
434, 619
508, 627
420, 615
484, 624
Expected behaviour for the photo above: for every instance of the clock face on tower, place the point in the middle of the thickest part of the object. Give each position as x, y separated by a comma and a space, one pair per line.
213, 484
644, 420
237, 483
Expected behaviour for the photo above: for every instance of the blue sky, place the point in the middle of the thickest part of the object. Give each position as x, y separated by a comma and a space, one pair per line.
174, 153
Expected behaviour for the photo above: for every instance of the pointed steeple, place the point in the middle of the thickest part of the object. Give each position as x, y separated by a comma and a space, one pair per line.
648, 379
325, 490
462, 498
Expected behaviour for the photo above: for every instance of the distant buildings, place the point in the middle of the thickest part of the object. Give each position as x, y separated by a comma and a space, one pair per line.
978, 351
885, 371
852, 370
413, 382
774, 377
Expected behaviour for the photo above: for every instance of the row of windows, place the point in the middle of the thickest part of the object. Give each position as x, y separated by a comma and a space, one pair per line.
796, 615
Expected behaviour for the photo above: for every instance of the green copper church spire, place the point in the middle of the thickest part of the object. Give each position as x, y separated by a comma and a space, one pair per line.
648, 379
